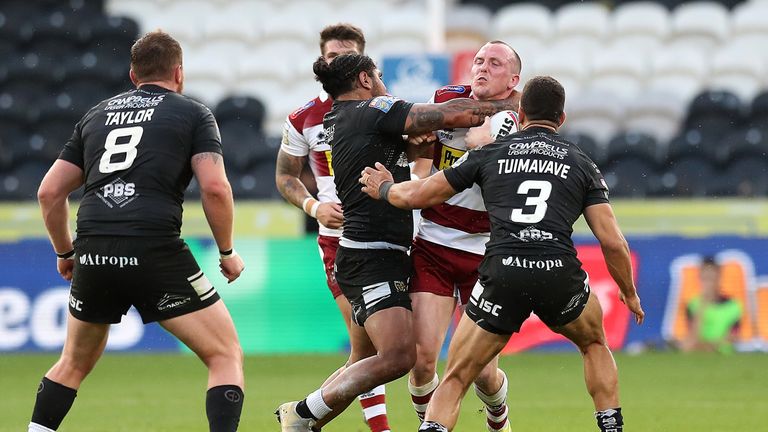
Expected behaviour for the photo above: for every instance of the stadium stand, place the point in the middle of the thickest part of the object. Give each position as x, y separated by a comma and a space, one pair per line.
688, 76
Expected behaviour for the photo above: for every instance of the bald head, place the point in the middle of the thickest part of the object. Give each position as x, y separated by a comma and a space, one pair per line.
495, 71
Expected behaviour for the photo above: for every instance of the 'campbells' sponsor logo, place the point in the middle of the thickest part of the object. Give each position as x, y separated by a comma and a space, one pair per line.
134, 102
532, 234
545, 264
170, 301
96, 260
537, 148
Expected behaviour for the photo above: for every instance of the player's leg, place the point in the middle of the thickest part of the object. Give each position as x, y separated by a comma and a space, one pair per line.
390, 333
374, 402
472, 347
431, 317
600, 371
83, 347
210, 333
491, 387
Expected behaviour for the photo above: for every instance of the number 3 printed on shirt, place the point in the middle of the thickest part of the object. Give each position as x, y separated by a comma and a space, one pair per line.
539, 200
112, 148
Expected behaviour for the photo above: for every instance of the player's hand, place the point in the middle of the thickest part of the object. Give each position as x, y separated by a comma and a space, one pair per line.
422, 139
231, 267
479, 136
371, 179
65, 266
330, 215
633, 303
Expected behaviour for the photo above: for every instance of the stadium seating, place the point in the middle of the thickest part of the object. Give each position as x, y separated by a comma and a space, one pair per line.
689, 74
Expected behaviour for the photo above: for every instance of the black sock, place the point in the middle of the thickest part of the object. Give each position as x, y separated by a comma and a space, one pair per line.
52, 404
223, 405
610, 420
303, 410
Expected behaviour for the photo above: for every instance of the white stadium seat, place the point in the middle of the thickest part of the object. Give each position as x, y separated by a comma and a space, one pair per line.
640, 26
136, 9
595, 114
569, 68
206, 80
617, 72
402, 31
467, 27
525, 26
700, 25
585, 24
656, 114
230, 24
678, 72
738, 70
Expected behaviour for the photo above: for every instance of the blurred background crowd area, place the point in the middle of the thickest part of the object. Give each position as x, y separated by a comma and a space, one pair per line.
668, 97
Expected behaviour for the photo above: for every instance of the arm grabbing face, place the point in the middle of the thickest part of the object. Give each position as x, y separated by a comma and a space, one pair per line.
412, 194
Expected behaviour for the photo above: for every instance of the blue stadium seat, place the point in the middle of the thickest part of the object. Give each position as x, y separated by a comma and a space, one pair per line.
758, 115
744, 177
23, 181
692, 143
688, 176
241, 109
744, 143
631, 177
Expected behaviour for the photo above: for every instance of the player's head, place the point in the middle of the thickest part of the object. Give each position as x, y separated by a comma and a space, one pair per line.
543, 101
709, 275
348, 73
495, 71
156, 57
339, 39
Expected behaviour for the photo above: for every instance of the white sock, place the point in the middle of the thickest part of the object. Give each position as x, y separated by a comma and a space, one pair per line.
317, 405
421, 395
375, 409
34, 427
497, 399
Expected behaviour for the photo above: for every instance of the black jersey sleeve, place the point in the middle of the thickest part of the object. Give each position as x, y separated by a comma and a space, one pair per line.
73, 148
596, 188
465, 171
206, 137
391, 113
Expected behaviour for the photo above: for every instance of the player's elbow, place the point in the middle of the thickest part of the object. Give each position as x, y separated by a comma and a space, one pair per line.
217, 189
48, 193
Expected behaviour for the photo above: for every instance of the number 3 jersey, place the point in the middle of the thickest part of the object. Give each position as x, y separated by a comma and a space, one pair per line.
135, 150
535, 185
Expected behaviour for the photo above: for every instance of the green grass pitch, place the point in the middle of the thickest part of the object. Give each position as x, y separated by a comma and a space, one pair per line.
660, 392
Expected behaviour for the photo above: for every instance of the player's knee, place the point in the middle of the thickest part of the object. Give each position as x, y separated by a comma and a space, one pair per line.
594, 343
425, 367
400, 360
76, 369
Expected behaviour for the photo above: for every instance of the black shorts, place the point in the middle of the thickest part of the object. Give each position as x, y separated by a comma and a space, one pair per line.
511, 287
159, 276
373, 280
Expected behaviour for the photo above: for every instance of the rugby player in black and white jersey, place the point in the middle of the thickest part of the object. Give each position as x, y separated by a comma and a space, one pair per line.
303, 143
136, 153
373, 268
535, 185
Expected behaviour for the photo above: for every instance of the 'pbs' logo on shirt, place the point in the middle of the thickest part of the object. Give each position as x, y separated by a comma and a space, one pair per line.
119, 190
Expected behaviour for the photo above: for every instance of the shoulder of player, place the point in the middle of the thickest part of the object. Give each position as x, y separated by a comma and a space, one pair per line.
309, 114
446, 93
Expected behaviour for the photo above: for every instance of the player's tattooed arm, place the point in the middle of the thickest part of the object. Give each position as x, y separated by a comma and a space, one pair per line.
287, 178
456, 113
212, 156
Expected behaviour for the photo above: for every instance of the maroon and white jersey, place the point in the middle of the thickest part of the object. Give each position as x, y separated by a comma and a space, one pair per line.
462, 221
303, 136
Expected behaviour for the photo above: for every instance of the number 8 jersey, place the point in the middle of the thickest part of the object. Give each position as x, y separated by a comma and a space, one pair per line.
535, 185
135, 150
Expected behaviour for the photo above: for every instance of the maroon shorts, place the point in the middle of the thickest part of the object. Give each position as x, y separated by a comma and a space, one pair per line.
328, 246
442, 270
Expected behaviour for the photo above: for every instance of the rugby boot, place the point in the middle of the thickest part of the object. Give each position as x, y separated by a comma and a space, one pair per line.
290, 420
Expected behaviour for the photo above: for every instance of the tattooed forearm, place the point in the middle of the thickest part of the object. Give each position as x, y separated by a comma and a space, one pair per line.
200, 157
454, 113
287, 179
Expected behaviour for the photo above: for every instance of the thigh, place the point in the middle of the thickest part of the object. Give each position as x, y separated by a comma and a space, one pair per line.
588, 327
171, 284
373, 280
432, 315
206, 331
328, 246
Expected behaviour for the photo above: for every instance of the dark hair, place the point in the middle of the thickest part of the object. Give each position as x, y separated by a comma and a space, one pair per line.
515, 55
154, 56
543, 99
338, 77
342, 32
